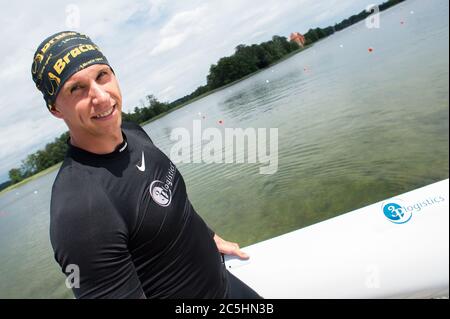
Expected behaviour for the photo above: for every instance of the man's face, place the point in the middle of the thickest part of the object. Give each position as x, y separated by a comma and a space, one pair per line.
90, 102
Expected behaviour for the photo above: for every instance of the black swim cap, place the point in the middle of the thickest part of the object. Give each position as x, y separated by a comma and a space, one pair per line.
58, 57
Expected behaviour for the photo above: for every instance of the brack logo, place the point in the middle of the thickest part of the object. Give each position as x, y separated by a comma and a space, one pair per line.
61, 63
40, 56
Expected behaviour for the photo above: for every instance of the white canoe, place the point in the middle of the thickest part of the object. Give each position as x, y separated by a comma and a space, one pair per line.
397, 248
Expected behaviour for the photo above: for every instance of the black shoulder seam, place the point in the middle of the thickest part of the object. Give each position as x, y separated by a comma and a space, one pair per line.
136, 129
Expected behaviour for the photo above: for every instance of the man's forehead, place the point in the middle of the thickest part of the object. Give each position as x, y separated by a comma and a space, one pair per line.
90, 71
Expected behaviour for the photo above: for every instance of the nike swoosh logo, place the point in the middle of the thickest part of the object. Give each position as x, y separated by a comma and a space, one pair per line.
142, 166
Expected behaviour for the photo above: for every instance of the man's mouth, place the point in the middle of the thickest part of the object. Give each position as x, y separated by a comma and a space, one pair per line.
105, 114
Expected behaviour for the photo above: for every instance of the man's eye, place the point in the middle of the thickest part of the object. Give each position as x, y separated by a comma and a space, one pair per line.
101, 74
74, 88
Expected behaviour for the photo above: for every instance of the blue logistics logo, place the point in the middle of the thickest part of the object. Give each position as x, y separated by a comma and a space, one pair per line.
396, 213
399, 213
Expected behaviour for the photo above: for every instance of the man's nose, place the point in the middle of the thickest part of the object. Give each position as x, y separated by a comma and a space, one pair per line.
98, 94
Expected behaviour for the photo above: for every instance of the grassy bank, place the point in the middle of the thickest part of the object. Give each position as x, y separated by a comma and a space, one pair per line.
33, 177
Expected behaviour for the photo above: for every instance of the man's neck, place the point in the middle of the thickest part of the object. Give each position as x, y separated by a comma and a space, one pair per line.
98, 144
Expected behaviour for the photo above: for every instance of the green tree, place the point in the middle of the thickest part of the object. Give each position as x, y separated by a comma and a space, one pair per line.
15, 175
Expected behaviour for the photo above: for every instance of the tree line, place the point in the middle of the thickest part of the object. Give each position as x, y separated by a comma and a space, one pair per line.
245, 61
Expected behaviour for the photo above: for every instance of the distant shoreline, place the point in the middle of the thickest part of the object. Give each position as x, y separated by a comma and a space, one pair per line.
32, 177
227, 85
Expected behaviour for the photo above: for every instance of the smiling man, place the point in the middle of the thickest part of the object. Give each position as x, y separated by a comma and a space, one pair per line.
119, 209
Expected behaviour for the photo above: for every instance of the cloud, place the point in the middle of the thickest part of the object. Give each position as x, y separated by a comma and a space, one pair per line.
163, 93
183, 26
168, 43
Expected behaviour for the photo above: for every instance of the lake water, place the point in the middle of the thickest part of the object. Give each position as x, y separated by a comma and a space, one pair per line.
354, 127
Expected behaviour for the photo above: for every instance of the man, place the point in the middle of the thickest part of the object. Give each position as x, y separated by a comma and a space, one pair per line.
119, 207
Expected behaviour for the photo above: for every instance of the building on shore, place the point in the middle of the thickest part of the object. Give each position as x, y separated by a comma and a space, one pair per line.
297, 38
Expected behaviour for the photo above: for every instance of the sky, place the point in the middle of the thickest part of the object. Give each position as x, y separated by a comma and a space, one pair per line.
158, 47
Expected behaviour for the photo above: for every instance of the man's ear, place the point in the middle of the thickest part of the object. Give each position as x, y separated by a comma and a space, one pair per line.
56, 112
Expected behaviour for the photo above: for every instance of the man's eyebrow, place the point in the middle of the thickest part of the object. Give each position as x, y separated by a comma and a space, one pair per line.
72, 84
106, 68
99, 72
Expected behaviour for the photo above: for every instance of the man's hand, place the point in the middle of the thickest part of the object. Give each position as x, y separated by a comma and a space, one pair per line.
229, 248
